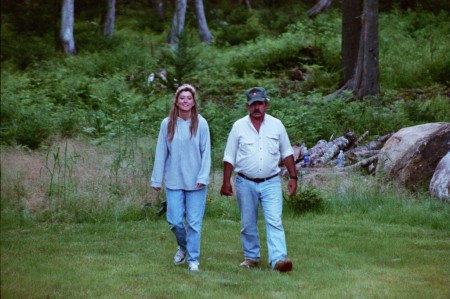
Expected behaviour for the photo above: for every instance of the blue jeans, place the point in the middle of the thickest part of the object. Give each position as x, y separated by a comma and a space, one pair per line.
269, 193
190, 206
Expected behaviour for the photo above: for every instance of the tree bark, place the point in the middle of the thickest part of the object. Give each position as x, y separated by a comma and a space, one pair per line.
333, 148
67, 23
363, 164
351, 32
367, 69
202, 25
248, 5
56, 29
178, 20
365, 78
160, 8
321, 6
109, 19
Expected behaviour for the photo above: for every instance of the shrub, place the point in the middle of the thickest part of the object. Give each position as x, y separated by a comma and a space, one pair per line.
307, 199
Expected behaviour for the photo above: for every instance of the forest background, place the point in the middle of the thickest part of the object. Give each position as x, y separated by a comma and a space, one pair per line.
111, 97
78, 217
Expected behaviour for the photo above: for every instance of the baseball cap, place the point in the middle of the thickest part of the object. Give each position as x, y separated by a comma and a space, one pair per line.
256, 94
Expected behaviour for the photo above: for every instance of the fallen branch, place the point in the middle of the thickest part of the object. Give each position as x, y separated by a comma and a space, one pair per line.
359, 153
362, 164
332, 150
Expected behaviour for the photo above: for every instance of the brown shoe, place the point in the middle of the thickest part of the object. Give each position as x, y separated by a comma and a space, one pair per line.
283, 265
248, 264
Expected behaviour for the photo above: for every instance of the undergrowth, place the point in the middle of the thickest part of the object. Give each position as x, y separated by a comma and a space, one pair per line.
115, 92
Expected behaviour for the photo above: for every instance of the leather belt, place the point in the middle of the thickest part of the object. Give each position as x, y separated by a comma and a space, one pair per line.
257, 180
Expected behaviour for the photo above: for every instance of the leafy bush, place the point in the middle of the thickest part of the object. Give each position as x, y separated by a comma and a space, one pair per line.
181, 62
417, 39
436, 109
240, 27
307, 199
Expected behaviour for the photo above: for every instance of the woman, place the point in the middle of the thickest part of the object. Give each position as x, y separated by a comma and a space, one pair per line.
183, 161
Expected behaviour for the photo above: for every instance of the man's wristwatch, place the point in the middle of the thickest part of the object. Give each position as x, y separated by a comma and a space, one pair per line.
294, 177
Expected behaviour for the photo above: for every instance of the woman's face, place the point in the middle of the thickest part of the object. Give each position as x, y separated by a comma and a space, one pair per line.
185, 101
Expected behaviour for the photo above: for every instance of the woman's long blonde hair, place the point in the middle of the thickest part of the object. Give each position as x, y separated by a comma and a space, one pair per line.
174, 112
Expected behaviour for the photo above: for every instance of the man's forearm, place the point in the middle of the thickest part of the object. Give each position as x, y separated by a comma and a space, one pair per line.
227, 171
290, 166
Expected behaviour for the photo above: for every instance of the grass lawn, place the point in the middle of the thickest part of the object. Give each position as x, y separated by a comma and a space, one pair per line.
344, 256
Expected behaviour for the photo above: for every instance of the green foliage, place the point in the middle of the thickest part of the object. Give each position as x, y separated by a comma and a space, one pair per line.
22, 50
306, 200
105, 92
436, 109
240, 27
416, 37
28, 17
181, 62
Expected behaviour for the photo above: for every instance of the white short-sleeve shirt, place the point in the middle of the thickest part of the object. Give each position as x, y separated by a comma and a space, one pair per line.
254, 154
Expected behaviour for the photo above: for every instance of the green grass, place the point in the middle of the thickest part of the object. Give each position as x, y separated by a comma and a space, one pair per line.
335, 256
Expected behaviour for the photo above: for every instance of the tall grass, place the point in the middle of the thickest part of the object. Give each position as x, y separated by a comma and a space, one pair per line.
75, 181
386, 202
72, 181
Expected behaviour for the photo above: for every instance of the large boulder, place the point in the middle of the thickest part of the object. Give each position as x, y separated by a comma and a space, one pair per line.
440, 182
411, 155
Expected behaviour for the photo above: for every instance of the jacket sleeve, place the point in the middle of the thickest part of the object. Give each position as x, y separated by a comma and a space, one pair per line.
161, 154
205, 153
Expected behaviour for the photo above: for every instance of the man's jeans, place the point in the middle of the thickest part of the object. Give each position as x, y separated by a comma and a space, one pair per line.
181, 203
269, 193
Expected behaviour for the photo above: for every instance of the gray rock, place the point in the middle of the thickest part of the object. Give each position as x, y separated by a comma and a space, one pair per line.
411, 155
440, 182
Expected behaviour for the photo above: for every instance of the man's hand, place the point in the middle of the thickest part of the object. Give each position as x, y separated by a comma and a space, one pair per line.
290, 165
226, 190
292, 187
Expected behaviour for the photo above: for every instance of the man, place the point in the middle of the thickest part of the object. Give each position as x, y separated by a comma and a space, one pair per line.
254, 148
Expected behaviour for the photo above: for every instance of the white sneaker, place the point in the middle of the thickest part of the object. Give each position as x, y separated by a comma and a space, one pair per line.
193, 266
180, 256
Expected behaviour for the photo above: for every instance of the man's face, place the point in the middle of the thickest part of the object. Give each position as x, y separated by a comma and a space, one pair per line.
257, 109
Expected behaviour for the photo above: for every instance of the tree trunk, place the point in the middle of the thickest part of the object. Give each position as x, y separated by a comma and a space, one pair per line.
367, 69
177, 28
247, 4
321, 6
109, 19
67, 22
56, 29
202, 25
351, 32
160, 7
365, 78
